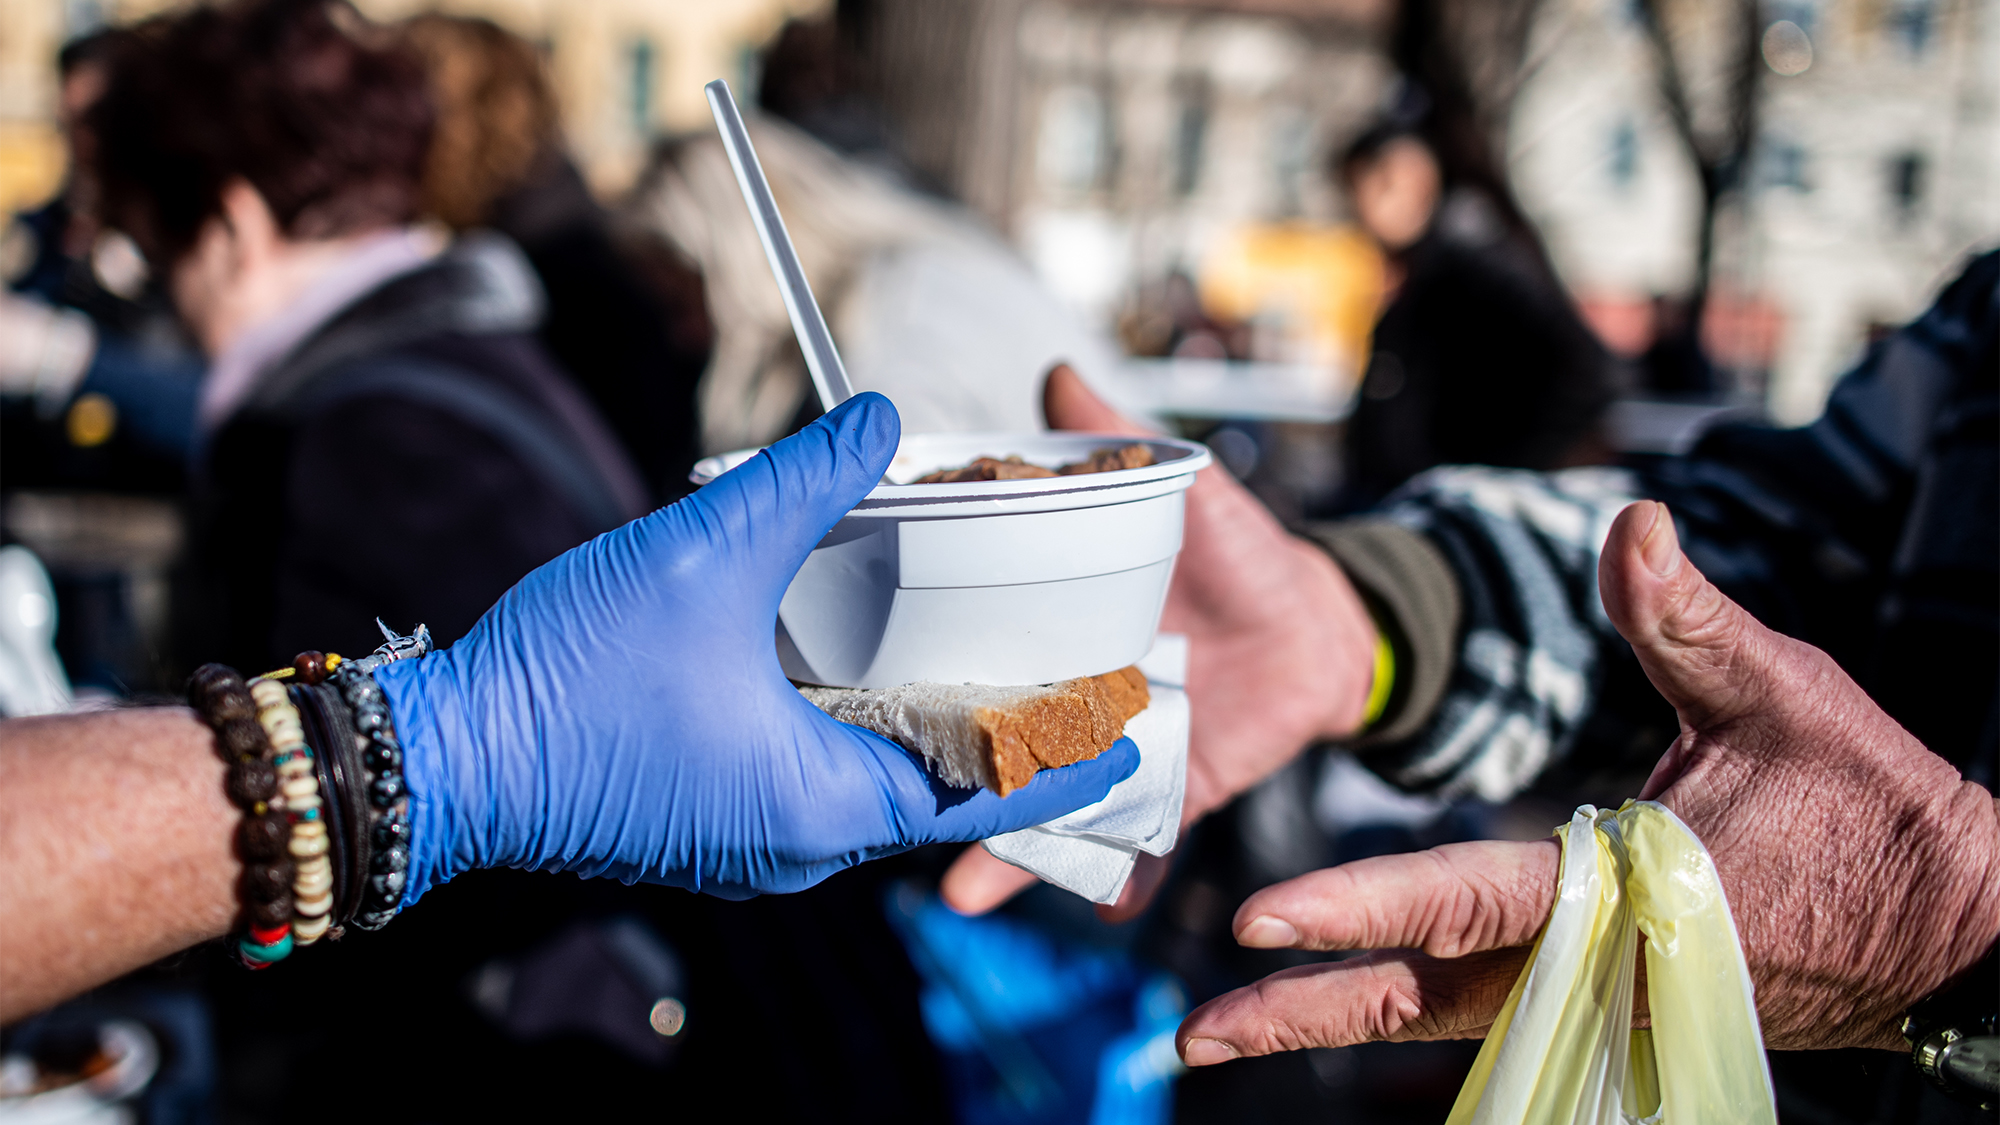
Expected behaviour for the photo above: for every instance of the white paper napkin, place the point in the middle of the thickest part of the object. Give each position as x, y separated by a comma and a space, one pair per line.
1091, 851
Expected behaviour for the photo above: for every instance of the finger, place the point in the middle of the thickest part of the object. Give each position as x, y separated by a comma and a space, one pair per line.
978, 882
782, 502
1390, 995
1148, 872
1447, 901
1703, 652
1051, 793
1069, 404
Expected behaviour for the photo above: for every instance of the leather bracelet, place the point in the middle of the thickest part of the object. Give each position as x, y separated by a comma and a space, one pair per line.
330, 727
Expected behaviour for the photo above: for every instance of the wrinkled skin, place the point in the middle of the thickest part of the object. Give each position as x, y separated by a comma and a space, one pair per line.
1280, 655
1862, 871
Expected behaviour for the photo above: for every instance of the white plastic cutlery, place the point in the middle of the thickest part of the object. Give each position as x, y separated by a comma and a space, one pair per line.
829, 375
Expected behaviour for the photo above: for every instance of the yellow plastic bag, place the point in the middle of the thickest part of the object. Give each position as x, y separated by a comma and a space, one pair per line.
1563, 1052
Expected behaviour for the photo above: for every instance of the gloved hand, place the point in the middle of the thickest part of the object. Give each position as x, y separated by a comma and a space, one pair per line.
621, 711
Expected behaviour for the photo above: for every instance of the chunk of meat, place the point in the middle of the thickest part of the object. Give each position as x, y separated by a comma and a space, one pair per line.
1134, 456
988, 468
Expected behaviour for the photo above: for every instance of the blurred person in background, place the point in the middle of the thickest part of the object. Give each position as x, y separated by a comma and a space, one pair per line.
102, 376
97, 390
625, 316
813, 76
928, 306
381, 431
1675, 363
1478, 357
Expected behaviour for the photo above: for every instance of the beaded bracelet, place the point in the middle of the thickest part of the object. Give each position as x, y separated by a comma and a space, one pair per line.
388, 818
382, 762
219, 695
324, 837
298, 790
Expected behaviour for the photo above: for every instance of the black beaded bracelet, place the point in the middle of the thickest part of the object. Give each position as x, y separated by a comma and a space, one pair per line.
388, 817
382, 766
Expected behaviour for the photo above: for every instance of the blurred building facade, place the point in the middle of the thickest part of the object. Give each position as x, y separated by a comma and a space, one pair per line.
31, 151
1150, 132
1119, 143
1871, 176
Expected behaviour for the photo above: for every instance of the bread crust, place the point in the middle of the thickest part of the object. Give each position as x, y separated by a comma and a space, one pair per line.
1078, 720
998, 737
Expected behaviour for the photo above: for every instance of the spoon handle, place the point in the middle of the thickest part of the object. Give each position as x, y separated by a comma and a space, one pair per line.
829, 375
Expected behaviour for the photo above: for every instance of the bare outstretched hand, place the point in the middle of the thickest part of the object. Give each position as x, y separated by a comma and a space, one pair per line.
1863, 873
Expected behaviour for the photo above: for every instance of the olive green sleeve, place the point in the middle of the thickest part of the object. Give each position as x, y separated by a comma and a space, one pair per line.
1411, 589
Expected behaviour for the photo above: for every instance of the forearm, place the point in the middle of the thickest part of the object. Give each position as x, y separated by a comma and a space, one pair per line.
1416, 599
1486, 581
115, 849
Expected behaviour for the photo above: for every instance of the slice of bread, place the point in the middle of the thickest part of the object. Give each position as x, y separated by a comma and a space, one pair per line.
998, 737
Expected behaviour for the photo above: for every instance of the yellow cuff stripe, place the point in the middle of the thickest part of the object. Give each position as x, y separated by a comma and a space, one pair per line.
1384, 682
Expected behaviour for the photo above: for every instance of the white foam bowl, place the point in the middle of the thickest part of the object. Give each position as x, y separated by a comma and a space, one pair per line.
987, 582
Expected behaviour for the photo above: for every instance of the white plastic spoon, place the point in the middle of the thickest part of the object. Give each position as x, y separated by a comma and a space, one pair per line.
829, 375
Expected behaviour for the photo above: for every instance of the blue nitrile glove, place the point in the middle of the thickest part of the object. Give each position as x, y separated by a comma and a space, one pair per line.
621, 711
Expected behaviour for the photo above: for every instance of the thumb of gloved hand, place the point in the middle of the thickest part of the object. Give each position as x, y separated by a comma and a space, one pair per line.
768, 513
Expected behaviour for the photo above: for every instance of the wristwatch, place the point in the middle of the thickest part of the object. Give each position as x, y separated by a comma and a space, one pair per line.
1953, 1037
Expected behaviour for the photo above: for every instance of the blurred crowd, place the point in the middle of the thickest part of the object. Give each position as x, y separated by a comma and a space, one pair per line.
326, 325
175, 313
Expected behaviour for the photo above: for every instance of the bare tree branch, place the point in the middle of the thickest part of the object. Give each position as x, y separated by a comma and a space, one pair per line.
1673, 87
1721, 163
1466, 55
